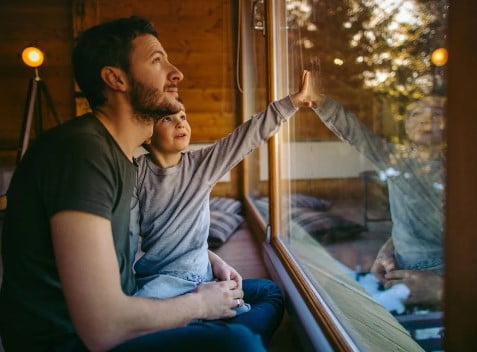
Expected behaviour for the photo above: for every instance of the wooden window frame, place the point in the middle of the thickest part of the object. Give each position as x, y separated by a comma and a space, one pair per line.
461, 190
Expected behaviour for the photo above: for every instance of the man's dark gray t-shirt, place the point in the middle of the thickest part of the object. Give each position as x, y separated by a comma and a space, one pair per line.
76, 166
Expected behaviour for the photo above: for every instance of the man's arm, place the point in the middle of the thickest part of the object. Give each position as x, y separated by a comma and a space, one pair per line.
101, 313
425, 286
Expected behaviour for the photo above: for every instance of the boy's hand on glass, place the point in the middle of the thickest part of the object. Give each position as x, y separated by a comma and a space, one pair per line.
306, 97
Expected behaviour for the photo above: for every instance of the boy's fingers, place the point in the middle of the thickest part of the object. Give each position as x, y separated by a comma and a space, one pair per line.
305, 81
231, 284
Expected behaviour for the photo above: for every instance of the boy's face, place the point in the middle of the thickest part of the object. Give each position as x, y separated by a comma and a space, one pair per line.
171, 134
425, 123
153, 80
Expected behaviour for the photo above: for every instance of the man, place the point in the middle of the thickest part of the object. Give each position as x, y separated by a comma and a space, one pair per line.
68, 279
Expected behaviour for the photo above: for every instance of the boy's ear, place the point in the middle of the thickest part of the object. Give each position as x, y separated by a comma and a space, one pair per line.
114, 78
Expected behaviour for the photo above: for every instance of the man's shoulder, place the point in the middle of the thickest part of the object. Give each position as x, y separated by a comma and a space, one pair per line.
81, 127
81, 134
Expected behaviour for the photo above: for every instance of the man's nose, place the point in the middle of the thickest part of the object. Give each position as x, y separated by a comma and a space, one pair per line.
175, 75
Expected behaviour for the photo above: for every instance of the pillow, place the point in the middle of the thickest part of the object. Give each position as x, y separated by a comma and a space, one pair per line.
225, 204
326, 227
299, 200
222, 226
262, 206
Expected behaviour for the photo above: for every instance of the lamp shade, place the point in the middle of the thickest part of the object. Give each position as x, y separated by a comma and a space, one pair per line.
33, 57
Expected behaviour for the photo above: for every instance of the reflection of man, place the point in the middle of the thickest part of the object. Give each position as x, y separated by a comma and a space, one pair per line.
414, 172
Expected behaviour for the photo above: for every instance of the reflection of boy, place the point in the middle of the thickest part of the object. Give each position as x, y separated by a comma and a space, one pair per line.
414, 173
170, 209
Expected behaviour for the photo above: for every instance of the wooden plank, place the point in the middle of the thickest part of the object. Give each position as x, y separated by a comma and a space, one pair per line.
460, 291
209, 99
208, 127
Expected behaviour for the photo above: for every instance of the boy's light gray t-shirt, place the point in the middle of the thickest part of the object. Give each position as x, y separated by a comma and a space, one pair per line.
170, 207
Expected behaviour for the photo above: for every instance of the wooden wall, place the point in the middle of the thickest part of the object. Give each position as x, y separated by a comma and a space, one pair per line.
198, 36
46, 24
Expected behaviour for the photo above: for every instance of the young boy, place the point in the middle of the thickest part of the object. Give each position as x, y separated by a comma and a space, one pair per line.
170, 210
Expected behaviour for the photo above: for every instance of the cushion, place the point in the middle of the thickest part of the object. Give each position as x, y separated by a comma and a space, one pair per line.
222, 226
299, 200
225, 204
326, 227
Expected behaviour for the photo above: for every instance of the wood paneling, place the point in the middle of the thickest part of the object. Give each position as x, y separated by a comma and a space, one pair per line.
199, 39
48, 25
461, 202
198, 35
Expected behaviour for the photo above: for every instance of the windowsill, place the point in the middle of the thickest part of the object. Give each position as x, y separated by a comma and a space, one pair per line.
368, 325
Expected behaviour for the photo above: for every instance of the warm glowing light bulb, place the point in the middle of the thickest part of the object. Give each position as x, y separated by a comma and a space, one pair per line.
439, 57
338, 61
33, 57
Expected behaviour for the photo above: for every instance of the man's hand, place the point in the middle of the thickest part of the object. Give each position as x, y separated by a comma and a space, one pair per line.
425, 285
219, 298
384, 262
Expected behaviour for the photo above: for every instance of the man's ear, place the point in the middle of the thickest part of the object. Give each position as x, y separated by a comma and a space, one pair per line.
114, 78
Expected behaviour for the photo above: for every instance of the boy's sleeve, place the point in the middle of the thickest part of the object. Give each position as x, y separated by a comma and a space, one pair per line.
347, 127
219, 158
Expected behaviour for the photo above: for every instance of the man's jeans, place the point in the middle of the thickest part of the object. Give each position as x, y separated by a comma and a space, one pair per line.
246, 332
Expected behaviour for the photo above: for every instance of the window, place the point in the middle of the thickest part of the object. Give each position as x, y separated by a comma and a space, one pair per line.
359, 179
253, 85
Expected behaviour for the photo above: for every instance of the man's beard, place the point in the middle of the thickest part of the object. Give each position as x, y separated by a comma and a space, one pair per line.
149, 104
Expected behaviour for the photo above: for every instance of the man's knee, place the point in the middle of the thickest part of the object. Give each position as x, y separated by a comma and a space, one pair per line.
235, 337
261, 289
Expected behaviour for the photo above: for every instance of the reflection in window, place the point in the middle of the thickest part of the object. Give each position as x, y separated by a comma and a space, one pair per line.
363, 177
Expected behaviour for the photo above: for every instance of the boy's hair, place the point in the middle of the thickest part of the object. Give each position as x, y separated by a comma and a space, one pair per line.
148, 146
106, 44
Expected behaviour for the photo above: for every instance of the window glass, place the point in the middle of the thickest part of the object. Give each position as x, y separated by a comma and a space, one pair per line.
362, 174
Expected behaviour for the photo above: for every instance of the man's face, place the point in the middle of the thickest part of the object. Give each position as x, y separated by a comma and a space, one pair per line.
425, 123
171, 134
153, 80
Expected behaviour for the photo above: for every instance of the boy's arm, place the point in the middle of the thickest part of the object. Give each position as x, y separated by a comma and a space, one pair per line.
230, 150
347, 127
101, 313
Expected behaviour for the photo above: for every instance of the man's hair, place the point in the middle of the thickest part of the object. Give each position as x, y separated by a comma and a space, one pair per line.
432, 100
107, 44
